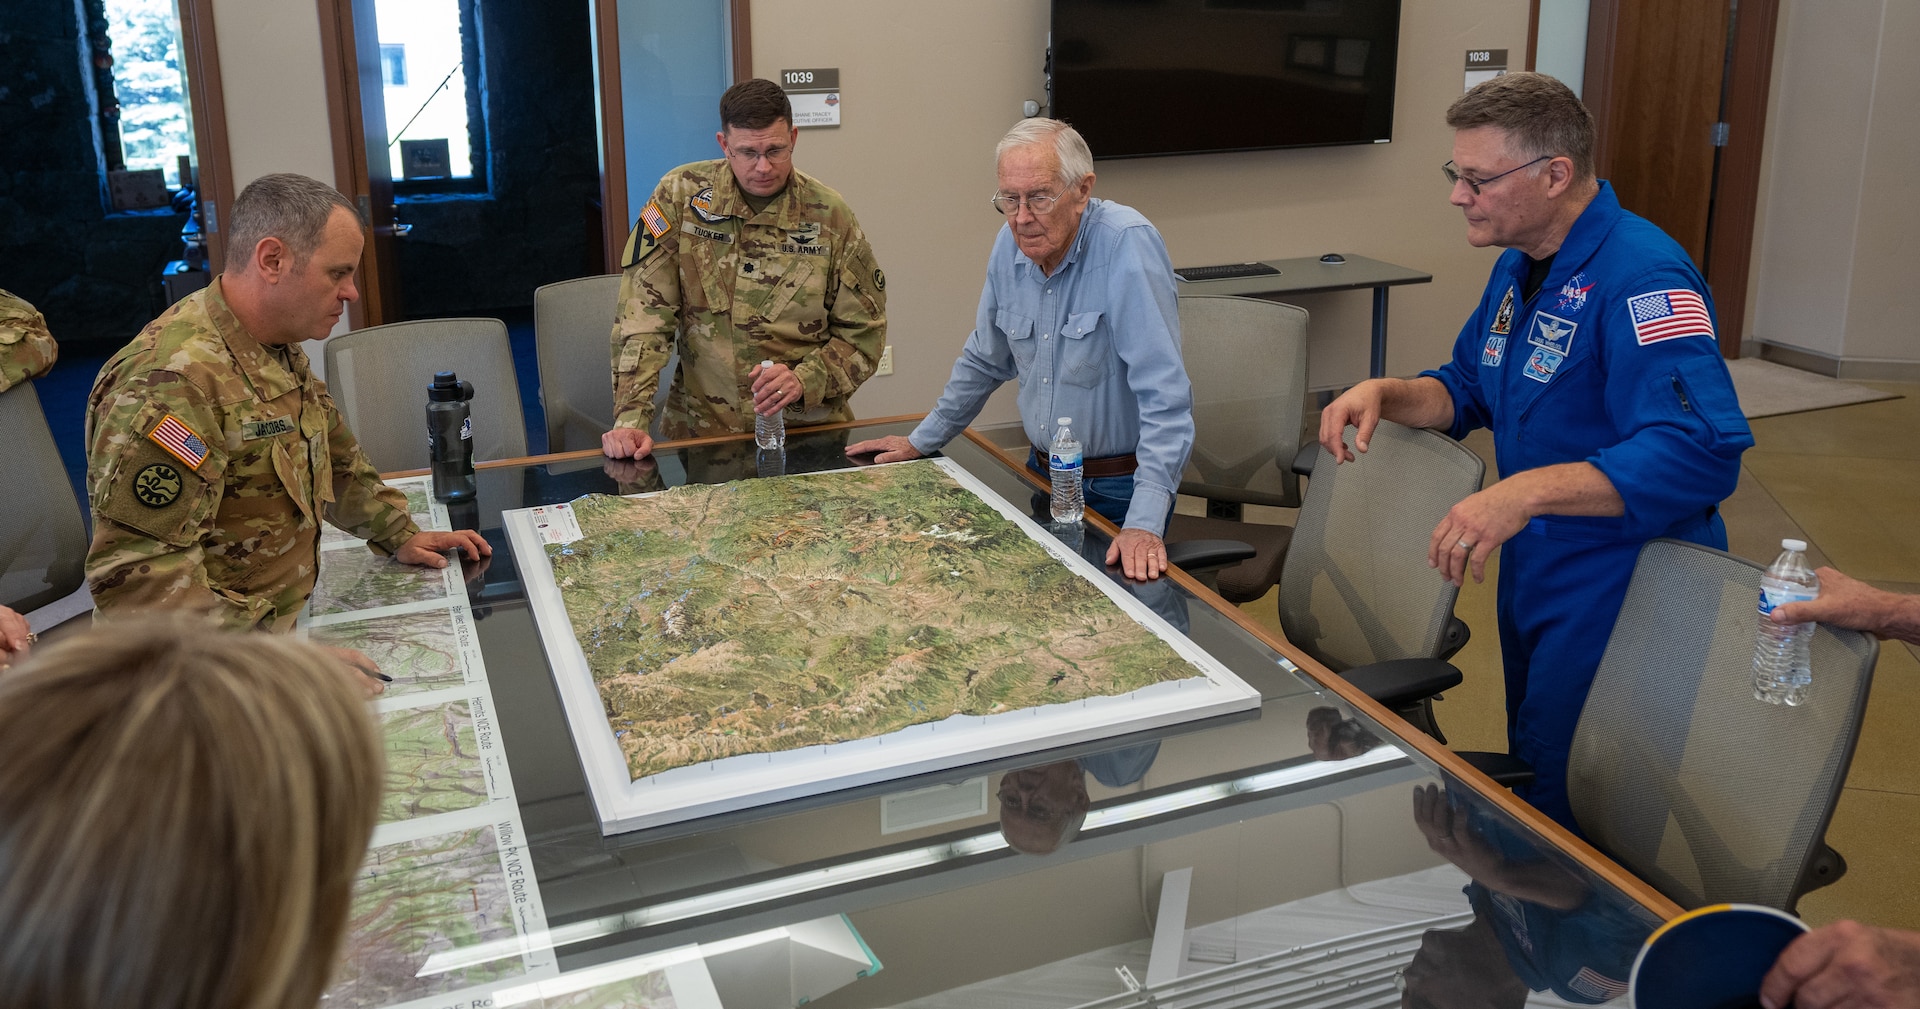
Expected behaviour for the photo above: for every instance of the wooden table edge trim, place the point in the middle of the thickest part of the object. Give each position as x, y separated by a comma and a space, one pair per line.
1594, 860
588, 453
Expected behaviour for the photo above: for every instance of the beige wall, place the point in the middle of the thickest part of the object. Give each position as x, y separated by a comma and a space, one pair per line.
271, 82
927, 95
276, 98
1834, 259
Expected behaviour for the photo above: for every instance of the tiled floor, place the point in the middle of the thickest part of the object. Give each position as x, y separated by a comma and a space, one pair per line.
1847, 480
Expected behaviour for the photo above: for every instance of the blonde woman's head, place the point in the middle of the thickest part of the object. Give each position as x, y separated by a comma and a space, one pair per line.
182, 815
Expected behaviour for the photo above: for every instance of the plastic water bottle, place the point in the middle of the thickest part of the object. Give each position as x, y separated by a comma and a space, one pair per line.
1063, 462
1782, 653
770, 430
450, 437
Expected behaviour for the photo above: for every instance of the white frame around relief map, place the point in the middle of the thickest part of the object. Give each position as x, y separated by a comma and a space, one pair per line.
747, 780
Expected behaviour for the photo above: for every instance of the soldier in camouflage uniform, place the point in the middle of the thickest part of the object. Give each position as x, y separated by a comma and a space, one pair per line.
26, 351
748, 260
26, 348
213, 451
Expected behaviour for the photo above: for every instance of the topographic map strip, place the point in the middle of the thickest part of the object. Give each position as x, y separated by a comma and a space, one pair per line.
446, 868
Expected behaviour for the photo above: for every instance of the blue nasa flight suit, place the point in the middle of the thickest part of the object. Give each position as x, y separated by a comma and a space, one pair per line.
1613, 362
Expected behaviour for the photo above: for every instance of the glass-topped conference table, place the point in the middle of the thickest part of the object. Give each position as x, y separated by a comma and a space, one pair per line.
1313, 851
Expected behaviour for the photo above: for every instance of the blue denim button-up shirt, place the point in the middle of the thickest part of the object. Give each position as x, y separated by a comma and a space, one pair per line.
1099, 341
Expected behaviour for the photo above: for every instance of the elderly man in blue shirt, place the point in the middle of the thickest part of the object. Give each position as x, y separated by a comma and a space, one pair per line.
1080, 308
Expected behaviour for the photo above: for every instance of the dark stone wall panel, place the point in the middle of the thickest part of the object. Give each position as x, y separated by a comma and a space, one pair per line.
95, 275
472, 254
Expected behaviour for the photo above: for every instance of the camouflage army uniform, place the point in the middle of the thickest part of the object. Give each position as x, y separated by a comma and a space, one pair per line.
795, 284
26, 348
211, 460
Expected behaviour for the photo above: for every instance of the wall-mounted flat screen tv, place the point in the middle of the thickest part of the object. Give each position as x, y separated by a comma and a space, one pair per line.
1150, 77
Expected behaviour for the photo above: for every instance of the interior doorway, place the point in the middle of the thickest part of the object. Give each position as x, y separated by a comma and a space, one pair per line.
466, 132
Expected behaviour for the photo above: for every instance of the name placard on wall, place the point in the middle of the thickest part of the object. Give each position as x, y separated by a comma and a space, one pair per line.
1484, 65
815, 95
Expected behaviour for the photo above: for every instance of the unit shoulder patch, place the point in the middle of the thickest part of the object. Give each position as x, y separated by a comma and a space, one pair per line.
157, 485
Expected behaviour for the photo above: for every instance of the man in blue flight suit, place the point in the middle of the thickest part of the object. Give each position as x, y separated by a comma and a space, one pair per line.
1593, 358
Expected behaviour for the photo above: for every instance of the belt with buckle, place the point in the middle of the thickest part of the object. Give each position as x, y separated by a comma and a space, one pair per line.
1112, 465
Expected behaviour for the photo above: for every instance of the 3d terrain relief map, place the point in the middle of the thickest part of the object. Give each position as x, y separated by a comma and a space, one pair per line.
768, 615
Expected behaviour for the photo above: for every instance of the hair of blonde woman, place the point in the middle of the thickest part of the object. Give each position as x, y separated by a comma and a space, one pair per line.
183, 813
1070, 151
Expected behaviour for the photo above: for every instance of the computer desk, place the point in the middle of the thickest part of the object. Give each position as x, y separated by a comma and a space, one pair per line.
1310, 276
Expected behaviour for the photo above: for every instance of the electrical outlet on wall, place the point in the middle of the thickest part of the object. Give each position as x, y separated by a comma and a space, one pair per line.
886, 362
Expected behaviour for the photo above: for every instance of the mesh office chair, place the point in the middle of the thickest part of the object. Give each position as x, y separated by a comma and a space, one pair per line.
379, 376
43, 539
1356, 592
1684, 778
1247, 361
572, 335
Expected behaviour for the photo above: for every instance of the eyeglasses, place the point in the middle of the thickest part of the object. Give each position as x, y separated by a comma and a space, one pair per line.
1454, 177
1041, 205
774, 155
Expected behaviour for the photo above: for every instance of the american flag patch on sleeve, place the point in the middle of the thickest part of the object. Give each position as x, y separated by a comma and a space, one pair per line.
653, 220
1664, 315
179, 441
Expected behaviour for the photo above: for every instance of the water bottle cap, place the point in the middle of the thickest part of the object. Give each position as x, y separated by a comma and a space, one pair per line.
447, 388
766, 364
1798, 545
1066, 422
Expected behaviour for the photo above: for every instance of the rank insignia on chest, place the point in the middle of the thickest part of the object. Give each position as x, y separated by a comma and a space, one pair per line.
1541, 366
1503, 319
1552, 333
179, 441
702, 204
1494, 351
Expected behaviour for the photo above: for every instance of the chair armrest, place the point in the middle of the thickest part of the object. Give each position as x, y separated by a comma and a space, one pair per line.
1397, 683
1454, 637
1303, 460
1504, 768
1201, 555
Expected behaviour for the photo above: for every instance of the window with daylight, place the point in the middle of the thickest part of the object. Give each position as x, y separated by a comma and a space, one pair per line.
150, 85
423, 57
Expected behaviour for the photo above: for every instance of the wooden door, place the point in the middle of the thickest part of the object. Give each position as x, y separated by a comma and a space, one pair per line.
350, 49
1678, 92
1661, 100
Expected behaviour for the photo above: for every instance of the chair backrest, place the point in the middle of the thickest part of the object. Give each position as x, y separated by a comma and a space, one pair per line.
379, 376
572, 332
1677, 771
1356, 587
43, 539
572, 339
1247, 361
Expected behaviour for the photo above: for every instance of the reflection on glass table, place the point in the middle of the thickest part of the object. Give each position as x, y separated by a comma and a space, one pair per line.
1274, 857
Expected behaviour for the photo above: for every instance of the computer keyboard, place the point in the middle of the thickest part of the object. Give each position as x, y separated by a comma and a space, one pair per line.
1227, 272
